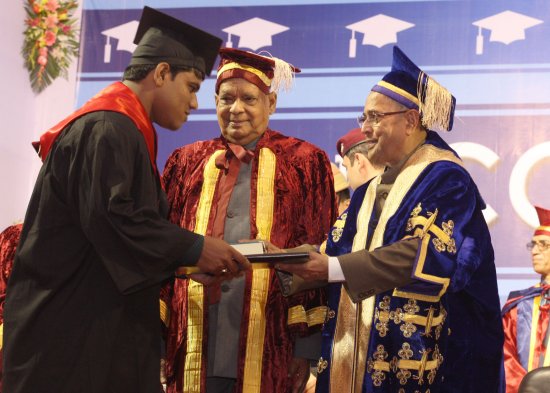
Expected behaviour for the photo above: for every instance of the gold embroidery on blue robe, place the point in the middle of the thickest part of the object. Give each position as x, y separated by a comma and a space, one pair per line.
338, 228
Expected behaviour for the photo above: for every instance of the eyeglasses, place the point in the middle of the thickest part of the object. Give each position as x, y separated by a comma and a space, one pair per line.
373, 118
542, 245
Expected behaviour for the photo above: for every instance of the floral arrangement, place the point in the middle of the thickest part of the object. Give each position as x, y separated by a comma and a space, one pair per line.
50, 40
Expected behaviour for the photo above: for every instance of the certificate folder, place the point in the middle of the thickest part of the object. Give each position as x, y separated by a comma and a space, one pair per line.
284, 257
259, 261
250, 247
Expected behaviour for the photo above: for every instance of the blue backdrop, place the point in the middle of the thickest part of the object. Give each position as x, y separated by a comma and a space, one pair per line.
492, 55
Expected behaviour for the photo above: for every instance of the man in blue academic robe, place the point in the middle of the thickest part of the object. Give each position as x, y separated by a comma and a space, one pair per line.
419, 307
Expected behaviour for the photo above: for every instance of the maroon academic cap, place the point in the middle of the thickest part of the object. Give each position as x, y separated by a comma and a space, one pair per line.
544, 220
351, 139
268, 73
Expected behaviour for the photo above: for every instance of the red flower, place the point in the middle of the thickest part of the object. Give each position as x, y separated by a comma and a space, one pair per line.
33, 22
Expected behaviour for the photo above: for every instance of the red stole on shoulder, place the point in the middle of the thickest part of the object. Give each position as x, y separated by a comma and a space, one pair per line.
116, 97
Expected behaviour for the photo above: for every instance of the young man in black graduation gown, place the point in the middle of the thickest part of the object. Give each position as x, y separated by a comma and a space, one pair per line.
82, 306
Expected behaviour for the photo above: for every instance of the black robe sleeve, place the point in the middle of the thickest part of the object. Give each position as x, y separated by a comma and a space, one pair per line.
119, 203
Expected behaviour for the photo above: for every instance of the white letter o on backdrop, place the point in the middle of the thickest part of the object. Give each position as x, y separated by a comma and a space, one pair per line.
518, 182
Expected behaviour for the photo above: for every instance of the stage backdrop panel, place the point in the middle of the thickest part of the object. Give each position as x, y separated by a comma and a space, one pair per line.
491, 56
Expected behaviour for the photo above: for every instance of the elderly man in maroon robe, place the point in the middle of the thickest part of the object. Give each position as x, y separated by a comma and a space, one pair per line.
249, 183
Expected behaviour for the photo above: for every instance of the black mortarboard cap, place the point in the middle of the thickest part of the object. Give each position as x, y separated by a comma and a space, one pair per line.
161, 37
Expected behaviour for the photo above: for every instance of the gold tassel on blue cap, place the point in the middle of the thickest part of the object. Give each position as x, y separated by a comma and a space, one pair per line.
413, 88
436, 103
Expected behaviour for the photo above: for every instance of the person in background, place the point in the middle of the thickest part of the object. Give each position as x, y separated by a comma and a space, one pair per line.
353, 149
251, 182
341, 188
525, 315
82, 305
9, 238
359, 170
419, 307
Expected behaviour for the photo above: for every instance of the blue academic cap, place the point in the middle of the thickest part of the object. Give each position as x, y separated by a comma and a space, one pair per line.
413, 88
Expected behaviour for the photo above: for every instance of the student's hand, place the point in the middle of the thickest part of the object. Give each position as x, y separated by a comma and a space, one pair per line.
221, 260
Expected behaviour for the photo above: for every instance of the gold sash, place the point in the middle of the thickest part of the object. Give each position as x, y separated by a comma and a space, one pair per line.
260, 278
265, 202
195, 291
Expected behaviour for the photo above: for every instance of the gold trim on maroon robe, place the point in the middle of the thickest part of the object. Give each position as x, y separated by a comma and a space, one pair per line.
292, 203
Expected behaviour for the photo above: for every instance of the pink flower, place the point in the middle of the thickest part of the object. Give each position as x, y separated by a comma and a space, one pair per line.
43, 51
50, 38
51, 21
52, 5
42, 60
65, 28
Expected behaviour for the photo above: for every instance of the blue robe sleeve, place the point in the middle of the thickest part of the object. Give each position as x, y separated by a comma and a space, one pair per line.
438, 237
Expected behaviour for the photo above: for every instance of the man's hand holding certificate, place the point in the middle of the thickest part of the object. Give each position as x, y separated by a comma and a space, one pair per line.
314, 268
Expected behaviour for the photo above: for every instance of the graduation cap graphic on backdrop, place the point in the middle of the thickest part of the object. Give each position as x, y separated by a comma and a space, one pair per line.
378, 30
505, 27
124, 34
254, 33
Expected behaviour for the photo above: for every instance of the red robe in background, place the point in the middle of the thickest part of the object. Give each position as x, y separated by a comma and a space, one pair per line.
9, 239
525, 317
292, 202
